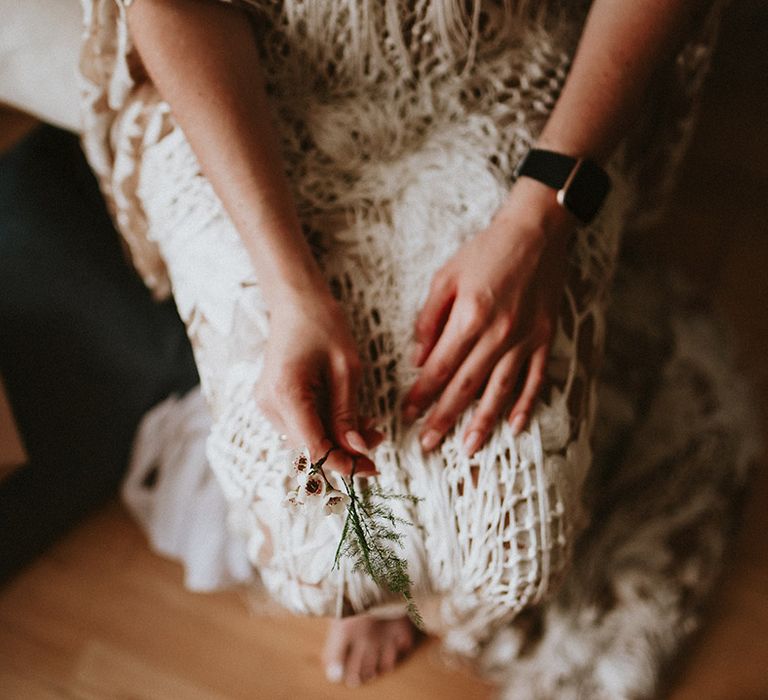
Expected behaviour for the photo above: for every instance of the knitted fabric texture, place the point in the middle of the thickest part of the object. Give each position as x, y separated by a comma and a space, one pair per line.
401, 124
677, 432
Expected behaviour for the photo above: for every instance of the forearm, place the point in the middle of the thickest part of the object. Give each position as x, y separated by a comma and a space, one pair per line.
622, 44
203, 58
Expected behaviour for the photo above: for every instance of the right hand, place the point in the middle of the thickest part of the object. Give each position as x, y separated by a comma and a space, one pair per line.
309, 381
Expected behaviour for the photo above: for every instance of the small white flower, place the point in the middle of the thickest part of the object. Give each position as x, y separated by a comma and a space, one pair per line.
301, 480
301, 463
335, 502
313, 489
292, 501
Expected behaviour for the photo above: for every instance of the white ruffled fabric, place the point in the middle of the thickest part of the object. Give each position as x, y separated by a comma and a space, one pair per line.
170, 490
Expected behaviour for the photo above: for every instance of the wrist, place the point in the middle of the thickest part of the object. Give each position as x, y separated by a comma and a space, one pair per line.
534, 206
580, 183
285, 266
292, 280
289, 293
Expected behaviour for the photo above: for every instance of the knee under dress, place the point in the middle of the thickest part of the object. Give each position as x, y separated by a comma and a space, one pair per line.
401, 123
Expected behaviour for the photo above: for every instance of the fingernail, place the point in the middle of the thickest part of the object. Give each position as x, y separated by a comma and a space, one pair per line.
334, 673
410, 413
430, 439
472, 442
356, 441
517, 423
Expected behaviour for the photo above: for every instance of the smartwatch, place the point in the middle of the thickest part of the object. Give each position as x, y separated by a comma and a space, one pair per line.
581, 184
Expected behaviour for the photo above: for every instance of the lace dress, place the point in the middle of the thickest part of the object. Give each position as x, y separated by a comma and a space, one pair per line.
401, 124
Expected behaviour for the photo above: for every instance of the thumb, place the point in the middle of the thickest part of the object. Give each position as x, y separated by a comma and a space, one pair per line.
307, 427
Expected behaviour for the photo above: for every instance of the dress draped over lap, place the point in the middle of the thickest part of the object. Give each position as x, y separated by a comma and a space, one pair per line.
401, 124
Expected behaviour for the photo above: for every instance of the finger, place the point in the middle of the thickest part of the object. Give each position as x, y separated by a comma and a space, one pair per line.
360, 661
300, 412
457, 339
498, 391
432, 318
389, 654
462, 389
344, 418
306, 427
345, 463
521, 411
271, 414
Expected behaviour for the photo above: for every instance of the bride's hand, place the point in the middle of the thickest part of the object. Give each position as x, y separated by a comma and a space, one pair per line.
308, 385
489, 319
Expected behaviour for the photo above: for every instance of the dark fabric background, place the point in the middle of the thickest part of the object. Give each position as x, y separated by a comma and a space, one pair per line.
84, 350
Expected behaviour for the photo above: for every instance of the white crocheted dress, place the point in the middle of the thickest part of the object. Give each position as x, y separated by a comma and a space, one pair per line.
401, 124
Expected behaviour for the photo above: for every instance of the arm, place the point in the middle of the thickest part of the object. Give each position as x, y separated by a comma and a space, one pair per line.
203, 58
622, 44
492, 309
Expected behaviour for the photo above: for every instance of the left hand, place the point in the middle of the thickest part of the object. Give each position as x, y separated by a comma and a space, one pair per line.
490, 317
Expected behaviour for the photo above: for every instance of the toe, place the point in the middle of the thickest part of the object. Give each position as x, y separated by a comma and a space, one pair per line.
357, 664
389, 654
404, 641
401, 632
334, 671
335, 652
370, 662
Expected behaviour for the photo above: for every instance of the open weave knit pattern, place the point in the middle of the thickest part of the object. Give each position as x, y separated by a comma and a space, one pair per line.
401, 123
676, 433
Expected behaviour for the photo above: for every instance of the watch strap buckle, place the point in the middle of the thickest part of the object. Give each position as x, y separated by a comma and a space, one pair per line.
562, 193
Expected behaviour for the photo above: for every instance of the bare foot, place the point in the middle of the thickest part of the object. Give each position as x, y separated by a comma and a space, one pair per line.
361, 647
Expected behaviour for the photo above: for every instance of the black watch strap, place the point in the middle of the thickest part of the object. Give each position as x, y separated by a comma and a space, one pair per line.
581, 184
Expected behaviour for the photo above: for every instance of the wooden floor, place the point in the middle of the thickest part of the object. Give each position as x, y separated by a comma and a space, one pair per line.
100, 616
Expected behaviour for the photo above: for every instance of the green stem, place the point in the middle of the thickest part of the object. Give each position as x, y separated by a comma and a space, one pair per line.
362, 543
317, 467
337, 556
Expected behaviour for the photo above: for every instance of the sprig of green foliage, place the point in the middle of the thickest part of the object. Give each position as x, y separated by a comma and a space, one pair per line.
370, 538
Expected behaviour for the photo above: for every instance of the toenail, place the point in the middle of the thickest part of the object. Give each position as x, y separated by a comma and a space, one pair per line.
334, 673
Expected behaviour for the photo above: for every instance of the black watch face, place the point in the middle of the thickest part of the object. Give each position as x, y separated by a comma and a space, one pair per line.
587, 191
